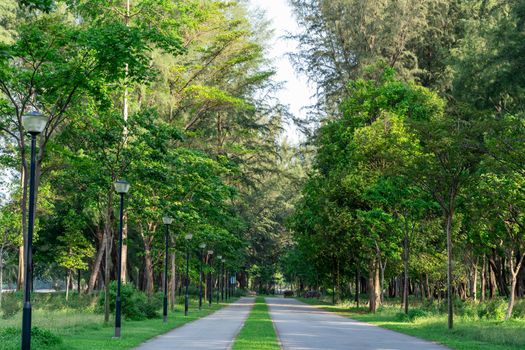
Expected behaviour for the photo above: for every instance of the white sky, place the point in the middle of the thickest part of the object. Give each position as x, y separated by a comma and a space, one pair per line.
296, 93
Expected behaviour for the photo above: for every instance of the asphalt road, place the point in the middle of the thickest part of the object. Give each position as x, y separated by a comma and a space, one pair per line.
304, 327
214, 332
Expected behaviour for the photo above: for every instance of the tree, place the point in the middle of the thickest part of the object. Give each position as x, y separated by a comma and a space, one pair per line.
74, 247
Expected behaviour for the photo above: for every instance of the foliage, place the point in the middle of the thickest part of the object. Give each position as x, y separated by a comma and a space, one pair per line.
40, 338
11, 306
135, 304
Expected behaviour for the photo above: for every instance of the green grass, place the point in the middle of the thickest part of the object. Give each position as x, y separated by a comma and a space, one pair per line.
258, 332
468, 334
82, 330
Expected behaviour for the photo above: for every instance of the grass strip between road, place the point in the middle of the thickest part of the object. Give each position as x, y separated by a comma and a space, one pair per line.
468, 334
258, 332
82, 331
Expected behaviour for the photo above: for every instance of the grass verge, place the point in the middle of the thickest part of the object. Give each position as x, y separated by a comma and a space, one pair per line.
86, 330
468, 334
258, 332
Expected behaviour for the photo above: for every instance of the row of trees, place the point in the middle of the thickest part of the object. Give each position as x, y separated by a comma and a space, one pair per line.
417, 179
175, 97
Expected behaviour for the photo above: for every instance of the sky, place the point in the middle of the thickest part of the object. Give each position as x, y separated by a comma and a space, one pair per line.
296, 92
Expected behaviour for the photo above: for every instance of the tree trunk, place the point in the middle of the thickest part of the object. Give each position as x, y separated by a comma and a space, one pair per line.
483, 278
173, 280
357, 287
23, 210
124, 273
510, 306
498, 274
78, 282
513, 274
373, 286
474, 281
427, 283
150, 284
125, 114
96, 264
405, 272
1, 274
448, 230
109, 246
68, 280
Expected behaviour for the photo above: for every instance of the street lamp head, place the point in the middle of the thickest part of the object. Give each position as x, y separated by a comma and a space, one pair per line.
167, 220
210, 252
219, 257
121, 186
189, 236
223, 260
202, 245
34, 122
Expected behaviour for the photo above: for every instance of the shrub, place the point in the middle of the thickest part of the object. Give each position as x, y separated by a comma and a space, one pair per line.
135, 304
402, 317
40, 338
312, 294
288, 294
494, 309
150, 308
468, 309
416, 313
413, 314
11, 304
519, 309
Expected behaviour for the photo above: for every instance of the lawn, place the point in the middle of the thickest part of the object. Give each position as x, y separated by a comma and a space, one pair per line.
468, 333
77, 330
258, 332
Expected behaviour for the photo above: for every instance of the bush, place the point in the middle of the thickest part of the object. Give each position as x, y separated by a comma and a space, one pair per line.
416, 313
40, 338
519, 309
494, 309
11, 304
467, 309
402, 317
135, 304
150, 308
413, 314
288, 294
312, 294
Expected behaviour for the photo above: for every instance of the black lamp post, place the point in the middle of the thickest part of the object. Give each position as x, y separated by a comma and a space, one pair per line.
167, 221
188, 237
121, 187
229, 284
227, 275
210, 284
219, 274
34, 123
202, 246
222, 278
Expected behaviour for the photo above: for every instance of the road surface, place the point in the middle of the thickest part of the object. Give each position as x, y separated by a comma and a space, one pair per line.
304, 327
214, 332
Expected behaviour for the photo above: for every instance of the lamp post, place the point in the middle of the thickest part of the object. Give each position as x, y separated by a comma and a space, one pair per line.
222, 278
202, 246
227, 286
34, 123
121, 187
167, 221
210, 285
188, 237
219, 274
